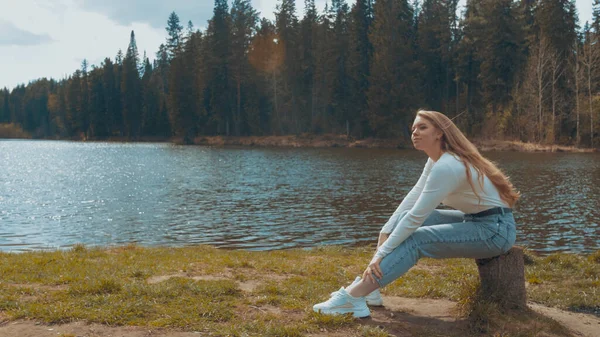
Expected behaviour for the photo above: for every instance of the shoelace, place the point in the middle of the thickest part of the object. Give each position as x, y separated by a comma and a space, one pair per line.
337, 294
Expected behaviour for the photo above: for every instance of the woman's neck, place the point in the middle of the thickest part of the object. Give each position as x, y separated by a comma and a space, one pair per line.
435, 154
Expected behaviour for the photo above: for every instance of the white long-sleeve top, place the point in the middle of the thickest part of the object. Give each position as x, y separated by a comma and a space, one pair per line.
444, 181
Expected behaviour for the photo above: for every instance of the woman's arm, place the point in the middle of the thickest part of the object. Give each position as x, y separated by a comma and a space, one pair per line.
382, 238
409, 201
441, 182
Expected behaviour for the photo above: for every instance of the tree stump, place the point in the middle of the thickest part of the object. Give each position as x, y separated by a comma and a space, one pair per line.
503, 279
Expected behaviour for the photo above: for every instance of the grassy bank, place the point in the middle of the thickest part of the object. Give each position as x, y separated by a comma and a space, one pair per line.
13, 131
236, 293
393, 143
508, 145
307, 140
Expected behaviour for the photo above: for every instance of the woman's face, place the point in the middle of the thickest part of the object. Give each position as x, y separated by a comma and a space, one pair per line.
424, 135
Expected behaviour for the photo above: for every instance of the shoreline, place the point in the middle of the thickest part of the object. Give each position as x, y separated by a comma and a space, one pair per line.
344, 142
332, 141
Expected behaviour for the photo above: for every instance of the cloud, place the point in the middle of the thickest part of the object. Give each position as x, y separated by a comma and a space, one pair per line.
15, 36
156, 12
76, 35
153, 12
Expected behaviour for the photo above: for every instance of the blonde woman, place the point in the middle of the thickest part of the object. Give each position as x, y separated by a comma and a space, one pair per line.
481, 226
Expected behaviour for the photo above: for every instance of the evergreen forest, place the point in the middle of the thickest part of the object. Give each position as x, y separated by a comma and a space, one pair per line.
507, 69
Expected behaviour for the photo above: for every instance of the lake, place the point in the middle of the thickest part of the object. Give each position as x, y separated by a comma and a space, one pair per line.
54, 194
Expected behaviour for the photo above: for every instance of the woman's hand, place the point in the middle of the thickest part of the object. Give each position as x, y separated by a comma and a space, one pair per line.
373, 269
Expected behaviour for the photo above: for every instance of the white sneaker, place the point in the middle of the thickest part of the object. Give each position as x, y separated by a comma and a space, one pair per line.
342, 303
374, 298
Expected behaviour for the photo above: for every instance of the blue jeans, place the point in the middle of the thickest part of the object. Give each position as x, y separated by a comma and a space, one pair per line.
450, 234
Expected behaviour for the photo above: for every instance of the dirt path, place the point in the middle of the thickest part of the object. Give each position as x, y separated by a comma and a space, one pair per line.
80, 329
580, 324
401, 317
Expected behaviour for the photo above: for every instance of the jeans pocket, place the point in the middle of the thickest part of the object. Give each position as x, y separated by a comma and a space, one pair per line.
491, 228
511, 236
506, 233
495, 234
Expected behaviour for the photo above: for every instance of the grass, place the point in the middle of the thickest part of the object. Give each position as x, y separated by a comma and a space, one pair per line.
579, 279
239, 293
302, 140
12, 131
338, 140
508, 145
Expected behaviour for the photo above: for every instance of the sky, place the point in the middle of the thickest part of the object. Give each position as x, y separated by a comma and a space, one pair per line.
51, 38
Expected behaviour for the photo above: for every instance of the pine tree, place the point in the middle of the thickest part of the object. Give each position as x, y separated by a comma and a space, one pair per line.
526, 16
131, 90
177, 99
111, 95
117, 126
308, 31
243, 26
596, 17
160, 83
34, 118
468, 66
4, 110
578, 86
359, 57
392, 92
3, 117
266, 56
57, 110
219, 94
74, 104
16, 104
340, 45
325, 74
286, 23
85, 99
501, 54
149, 99
142, 65
184, 107
98, 127
162, 69
434, 39
190, 28
175, 38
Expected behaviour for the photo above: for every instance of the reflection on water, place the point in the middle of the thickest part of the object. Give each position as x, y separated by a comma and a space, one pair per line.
55, 194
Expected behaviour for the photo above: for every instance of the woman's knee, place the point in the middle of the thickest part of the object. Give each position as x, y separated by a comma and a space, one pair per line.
407, 250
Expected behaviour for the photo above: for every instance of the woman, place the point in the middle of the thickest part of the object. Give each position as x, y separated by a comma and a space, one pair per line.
456, 174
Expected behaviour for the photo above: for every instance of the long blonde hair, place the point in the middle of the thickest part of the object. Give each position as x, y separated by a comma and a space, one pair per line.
455, 142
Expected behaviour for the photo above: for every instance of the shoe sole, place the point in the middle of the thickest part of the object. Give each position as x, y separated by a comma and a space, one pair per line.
356, 314
375, 303
374, 299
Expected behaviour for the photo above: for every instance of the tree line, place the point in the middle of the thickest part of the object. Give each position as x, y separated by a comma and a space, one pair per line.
507, 69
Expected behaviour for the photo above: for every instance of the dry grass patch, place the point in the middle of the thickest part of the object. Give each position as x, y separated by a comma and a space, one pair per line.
507, 145
13, 131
